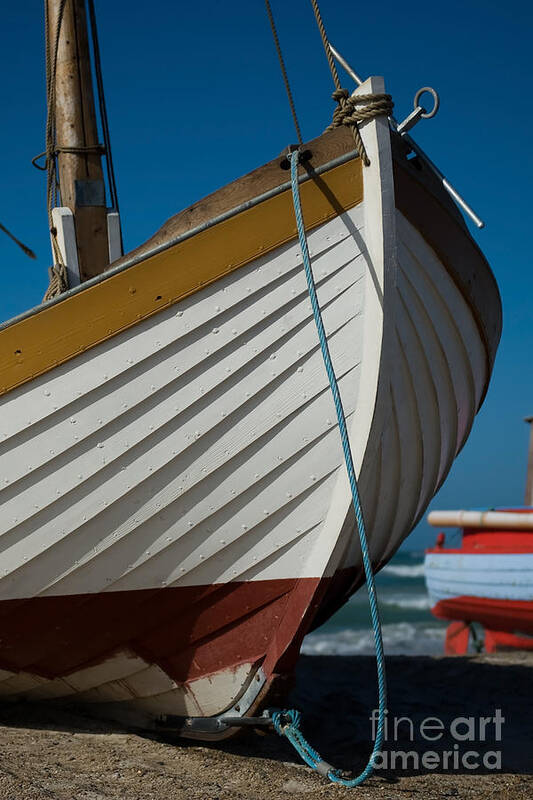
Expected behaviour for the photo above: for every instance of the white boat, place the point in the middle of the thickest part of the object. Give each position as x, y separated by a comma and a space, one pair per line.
176, 513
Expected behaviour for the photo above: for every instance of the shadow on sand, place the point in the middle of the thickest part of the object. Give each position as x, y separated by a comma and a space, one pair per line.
336, 695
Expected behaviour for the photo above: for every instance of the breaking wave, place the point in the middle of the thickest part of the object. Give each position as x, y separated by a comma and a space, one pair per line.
406, 601
403, 638
404, 570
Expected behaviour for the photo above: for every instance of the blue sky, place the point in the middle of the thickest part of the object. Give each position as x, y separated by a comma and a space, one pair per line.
195, 99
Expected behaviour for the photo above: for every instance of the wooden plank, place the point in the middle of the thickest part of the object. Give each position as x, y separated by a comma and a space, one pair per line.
76, 127
59, 332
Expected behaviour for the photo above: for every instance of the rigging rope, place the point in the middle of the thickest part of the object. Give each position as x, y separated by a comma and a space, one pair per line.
113, 195
325, 42
22, 246
287, 723
284, 71
346, 112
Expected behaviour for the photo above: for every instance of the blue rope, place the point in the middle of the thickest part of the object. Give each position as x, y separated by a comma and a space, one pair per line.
287, 723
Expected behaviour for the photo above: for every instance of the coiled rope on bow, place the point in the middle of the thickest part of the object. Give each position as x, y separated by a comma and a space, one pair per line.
347, 112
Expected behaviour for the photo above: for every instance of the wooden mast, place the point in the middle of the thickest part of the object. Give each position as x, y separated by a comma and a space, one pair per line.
528, 500
81, 179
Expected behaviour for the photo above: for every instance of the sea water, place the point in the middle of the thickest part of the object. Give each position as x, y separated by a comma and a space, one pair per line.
408, 626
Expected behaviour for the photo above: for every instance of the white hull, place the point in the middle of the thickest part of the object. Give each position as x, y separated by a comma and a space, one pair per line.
199, 447
498, 576
159, 450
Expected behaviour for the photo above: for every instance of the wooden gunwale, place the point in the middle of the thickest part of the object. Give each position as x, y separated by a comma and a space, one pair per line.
157, 276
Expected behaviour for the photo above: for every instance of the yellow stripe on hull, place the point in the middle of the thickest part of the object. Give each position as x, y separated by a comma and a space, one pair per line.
56, 334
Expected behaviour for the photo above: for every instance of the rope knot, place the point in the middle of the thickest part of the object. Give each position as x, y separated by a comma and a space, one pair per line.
286, 720
58, 281
348, 113
338, 94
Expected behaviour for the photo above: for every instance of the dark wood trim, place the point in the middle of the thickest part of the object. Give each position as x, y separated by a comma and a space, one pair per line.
425, 203
324, 149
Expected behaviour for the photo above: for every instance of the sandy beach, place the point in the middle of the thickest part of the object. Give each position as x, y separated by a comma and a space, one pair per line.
62, 753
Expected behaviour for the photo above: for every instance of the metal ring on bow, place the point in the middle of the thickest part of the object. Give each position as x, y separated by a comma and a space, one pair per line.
436, 102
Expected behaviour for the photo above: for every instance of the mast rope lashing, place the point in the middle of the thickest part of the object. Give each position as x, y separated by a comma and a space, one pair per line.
287, 723
99, 149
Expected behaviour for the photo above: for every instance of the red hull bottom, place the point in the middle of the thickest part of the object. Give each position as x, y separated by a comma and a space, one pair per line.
189, 632
514, 616
458, 639
508, 624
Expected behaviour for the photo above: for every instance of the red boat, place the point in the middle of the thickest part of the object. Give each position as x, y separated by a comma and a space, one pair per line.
488, 578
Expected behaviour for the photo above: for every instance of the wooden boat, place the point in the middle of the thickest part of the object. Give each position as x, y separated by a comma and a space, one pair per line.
488, 579
176, 513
